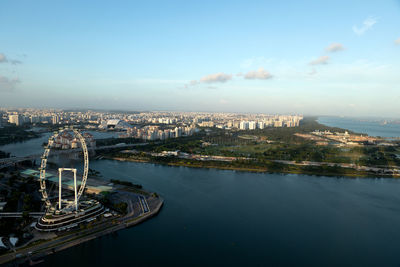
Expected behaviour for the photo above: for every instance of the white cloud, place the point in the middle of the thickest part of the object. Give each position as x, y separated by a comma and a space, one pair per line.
8, 85
212, 78
258, 74
397, 42
3, 58
216, 77
335, 47
367, 24
320, 61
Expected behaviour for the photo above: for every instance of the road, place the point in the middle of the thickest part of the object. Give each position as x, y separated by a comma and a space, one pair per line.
104, 227
394, 170
19, 214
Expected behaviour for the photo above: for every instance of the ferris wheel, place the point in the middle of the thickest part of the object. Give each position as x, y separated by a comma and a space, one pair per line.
42, 178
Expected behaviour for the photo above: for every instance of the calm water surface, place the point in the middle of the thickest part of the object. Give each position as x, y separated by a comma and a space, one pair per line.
34, 146
219, 218
367, 126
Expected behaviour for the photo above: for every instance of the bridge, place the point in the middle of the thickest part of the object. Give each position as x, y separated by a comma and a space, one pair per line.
20, 214
8, 162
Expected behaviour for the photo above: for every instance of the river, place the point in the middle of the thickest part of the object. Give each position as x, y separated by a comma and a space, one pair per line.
218, 217
34, 146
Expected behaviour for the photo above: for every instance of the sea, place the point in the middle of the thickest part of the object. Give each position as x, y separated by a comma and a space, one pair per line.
371, 126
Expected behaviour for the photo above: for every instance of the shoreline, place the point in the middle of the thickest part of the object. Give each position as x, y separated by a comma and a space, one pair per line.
262, 170
74, 239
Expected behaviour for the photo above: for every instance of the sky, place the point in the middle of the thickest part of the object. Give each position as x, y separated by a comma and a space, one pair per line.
287, 57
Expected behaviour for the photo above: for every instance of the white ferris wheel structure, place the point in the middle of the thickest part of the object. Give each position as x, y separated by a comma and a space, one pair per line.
68, 205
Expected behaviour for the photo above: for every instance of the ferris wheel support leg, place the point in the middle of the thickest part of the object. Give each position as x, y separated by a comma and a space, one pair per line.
59, 188
76, 200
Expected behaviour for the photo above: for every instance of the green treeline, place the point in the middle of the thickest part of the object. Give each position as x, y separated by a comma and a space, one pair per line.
14, 134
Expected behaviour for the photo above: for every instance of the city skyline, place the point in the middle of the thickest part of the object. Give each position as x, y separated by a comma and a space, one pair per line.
248, 57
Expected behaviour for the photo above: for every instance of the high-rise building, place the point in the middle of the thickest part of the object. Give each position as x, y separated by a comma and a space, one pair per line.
34, 119
278, 124
15, 119
244, 125
55, 119
178, 132
252, 125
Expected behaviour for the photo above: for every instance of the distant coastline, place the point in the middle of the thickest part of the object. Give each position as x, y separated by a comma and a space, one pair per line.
372, 127
337, 166
273, 167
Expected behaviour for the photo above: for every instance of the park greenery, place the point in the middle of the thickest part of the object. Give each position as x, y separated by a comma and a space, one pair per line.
4, 154
14, 134
126, 183
115, 141
258, 150
20, 196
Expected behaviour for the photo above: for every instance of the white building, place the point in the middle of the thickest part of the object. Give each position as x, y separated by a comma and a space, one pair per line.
55, 119
252, 125
15, 119
244, 125
114, 124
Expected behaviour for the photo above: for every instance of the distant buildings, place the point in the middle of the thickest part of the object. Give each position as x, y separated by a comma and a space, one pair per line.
171, 120
55, 119
67, 141
267, 121
15, 119
114, 124
151, 133
342, 138
244, 125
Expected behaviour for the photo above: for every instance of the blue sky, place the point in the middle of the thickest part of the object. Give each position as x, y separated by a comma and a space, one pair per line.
310, 57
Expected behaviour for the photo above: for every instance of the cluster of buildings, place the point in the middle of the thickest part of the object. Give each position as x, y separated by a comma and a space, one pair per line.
279, 121
345, 138
252, 122
46, 116
123, 121
151, 133
68, 141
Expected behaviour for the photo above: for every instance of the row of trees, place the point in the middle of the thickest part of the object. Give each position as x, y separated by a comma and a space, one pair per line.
13, 134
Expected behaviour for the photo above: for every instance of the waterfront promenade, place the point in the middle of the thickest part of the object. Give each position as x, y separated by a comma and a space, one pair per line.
41, 248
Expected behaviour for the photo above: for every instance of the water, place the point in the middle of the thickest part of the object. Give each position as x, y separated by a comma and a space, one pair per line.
367, 126
217, 217
35, 146
30, 147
